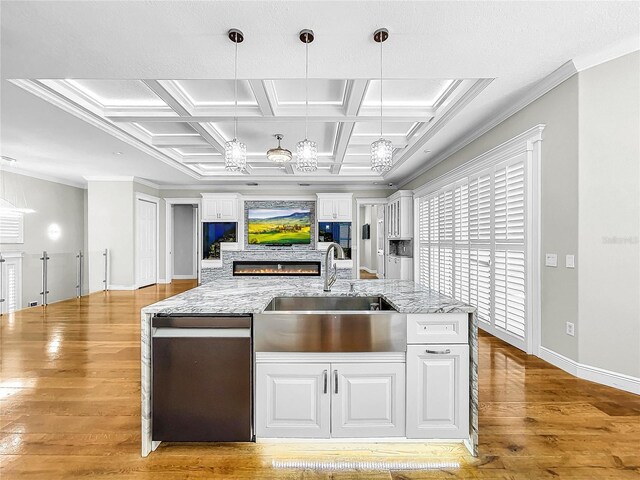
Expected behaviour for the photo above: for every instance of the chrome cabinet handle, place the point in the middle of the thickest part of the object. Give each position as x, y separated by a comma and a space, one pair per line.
324, 381
335, 381
438, 352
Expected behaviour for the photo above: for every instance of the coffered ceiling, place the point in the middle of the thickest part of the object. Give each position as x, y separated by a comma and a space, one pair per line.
121, 88
185, 123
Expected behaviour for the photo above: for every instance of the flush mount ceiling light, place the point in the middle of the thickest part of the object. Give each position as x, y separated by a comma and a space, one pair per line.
381, 150
306, 150
235, 152
279, 154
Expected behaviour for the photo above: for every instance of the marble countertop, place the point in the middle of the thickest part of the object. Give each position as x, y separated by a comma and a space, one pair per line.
253, 296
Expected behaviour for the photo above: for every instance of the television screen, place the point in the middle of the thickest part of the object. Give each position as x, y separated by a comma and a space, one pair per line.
279, 226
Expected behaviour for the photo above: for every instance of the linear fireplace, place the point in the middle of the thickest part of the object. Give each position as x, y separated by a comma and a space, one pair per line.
260, 268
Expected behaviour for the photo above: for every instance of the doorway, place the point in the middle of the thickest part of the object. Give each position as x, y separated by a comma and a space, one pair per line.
184, 231
183, 239
146, 240
370, 239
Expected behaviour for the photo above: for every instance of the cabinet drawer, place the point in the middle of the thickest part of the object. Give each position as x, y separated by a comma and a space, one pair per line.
437, 328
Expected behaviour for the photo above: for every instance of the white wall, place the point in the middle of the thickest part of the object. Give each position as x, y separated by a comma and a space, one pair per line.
110, 211
183, 242
609, 255
53, 203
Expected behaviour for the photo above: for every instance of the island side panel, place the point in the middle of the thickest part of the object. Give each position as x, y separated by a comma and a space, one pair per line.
145, 383
473, 382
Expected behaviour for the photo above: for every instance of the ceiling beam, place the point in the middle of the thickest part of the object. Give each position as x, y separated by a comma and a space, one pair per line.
355, 97
169, 99
409, 117
262, 97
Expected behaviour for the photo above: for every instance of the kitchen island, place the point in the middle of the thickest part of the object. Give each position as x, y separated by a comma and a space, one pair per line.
428, 316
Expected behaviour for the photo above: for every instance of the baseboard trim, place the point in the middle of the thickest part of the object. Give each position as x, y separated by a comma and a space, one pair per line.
183, 277
617, 380
122, 287
164, 281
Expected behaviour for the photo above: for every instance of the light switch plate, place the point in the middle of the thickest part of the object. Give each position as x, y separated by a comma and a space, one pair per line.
570, 261
571, 329
551, 260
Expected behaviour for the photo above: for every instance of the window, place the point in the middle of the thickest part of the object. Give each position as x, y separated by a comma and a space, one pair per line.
472, 237
339, 232
213, 234
11, 223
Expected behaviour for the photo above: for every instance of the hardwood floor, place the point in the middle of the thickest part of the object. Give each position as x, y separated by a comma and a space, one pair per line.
364, 275
70, 406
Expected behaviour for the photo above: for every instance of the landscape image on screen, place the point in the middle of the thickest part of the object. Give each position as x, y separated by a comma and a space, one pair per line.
279, 226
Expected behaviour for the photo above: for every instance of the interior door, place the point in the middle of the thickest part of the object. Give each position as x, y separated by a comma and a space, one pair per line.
146, 243
10, 285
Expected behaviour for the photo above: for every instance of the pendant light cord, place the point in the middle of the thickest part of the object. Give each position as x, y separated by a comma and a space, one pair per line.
306, 87
235, 92
381, 42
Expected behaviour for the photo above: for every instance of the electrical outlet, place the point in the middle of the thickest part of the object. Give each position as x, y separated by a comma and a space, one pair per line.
571, 329
33, 304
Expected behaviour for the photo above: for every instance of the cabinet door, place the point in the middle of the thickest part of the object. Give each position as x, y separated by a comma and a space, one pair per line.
343, 209
406, 217
326, 210
227, 208
368, 400
293, 400
438, 391
405, 266
209, 210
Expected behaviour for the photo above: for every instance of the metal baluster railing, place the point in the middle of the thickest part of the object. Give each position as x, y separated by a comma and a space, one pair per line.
106, 269
45, 291
79, 273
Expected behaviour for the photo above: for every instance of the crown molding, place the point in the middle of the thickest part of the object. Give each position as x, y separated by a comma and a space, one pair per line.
619, 49
539, 89
121, 178
45, 177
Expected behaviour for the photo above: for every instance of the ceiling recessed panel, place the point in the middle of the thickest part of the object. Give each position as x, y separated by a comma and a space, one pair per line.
406, 93
321, 92
203, 93
118, 93
260, 136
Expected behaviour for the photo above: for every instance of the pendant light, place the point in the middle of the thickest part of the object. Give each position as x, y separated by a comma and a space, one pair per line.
307, 150
381, 150
279, 154
235, 152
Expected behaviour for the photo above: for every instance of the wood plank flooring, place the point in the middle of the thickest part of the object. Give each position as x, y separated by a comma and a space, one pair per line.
70, 409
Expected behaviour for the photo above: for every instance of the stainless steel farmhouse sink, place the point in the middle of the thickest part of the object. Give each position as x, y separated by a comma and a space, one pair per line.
325, 304
329, 324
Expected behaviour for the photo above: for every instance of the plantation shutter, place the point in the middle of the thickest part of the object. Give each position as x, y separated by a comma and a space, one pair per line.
11, 227
472, 246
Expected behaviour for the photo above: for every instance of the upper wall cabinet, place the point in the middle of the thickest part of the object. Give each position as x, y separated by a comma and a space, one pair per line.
400, 215
335, 207
220, 207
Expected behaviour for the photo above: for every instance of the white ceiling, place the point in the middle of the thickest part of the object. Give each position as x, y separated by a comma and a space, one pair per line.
447, 64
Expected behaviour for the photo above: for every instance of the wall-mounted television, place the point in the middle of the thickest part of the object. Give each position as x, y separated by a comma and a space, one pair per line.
279, 226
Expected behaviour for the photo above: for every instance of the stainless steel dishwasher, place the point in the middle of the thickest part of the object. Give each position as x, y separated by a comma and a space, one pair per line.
202, 378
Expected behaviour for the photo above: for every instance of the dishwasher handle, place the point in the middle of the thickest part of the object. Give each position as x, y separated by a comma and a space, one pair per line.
201, 333
201, 321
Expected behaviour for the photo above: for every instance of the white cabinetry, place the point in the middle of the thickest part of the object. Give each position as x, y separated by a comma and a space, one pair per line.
400, 215
368, 400
220, 207
399, 268
293, 400
334, 207
438, 393
321, 400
